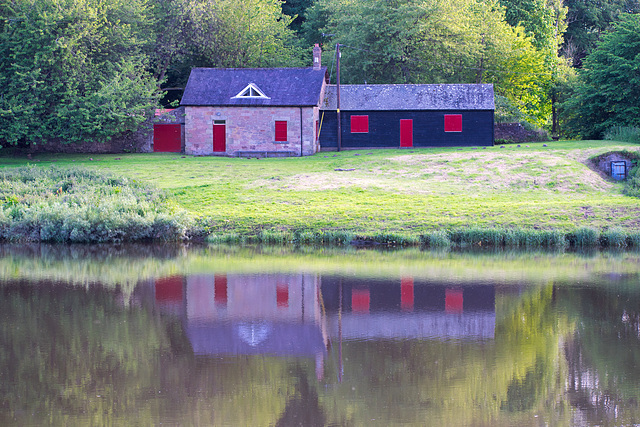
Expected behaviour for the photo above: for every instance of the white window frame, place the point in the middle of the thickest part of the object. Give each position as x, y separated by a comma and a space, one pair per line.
251, 91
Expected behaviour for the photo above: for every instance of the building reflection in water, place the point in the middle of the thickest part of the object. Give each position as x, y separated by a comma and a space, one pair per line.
301, 315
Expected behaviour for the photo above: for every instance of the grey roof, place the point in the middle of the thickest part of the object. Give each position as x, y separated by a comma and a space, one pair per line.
411, 97
283, 86
276, 338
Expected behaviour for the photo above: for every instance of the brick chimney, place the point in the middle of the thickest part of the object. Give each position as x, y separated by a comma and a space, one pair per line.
317, 57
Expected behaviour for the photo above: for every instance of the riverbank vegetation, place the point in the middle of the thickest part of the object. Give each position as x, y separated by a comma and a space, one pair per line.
80, 205
526, 196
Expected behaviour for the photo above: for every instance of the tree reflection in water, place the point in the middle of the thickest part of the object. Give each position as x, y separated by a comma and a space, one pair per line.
224, 347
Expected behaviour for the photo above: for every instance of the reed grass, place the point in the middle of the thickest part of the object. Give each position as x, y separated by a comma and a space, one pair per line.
584, 237
623, 133
438, 239
634, 239
226, 238
275, 237
336, 237
614, 238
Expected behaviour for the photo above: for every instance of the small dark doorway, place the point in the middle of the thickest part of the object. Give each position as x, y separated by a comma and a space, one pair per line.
219, 136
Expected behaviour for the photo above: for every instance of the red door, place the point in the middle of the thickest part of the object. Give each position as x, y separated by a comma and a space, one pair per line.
406, 133
166, 138
219, 137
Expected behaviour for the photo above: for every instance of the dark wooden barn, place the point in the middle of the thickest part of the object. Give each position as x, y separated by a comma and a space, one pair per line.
423, 115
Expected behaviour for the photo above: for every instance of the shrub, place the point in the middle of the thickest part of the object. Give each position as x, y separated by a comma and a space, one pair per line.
623, 133
82, 206
275, 237
613, 238
632, 183
436, 239
585, 237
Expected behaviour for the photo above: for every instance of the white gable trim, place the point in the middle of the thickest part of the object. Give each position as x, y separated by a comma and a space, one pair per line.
250, 91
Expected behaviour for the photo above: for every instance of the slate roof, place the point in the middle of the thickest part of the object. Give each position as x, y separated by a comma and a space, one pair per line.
283, 86
276, 338
411, 97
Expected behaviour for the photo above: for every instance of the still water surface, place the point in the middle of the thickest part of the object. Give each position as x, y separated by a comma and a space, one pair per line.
268, 337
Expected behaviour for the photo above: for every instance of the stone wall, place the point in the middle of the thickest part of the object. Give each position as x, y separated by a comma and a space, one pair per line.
602, 163
516, 133
129, 142
140, 141
251, 130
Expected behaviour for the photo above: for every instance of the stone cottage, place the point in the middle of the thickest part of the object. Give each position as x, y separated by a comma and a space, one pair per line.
249, 111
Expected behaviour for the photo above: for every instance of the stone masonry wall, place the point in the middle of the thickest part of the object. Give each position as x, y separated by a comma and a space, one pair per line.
603, 161
250, 129
516, 133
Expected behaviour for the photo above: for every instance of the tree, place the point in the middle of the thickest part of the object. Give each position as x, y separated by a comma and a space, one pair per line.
221, 33
587, 20
73, 70
436, 41
296, 9
541, 19
607, 93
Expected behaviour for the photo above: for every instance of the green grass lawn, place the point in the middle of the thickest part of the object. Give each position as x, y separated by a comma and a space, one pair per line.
414, 191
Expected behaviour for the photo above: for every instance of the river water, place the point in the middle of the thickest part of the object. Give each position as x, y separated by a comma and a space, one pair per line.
229, 336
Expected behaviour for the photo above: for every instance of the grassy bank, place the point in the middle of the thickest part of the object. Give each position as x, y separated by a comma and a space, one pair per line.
58, 204
513, 195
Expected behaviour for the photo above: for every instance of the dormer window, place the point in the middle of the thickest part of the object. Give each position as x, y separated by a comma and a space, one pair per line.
251, 91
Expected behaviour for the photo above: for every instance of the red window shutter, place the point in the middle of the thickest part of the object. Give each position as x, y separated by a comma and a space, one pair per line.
359, 124
453, 301
281, 130
453, 122
360, 300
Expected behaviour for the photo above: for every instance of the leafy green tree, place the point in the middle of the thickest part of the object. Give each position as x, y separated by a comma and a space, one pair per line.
541, 19
436, 41
607, 93
296, 9
587, 20
240, 33
73, 69
222, 33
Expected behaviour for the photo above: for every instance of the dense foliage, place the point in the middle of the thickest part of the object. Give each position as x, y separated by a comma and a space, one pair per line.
435, 41
88, 70
607, 93
222, 33
79, 70
77, 205
73, 69
587, 21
